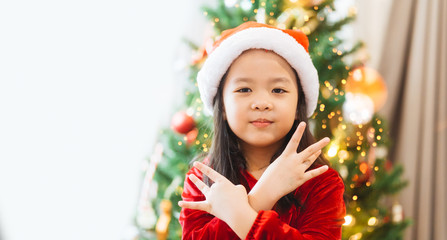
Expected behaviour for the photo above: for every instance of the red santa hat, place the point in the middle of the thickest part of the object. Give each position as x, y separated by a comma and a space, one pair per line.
292, 45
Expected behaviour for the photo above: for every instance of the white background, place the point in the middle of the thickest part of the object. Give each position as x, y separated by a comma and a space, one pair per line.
84, 88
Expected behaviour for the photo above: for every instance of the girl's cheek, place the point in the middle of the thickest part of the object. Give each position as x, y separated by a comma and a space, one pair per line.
239, 118
232, 104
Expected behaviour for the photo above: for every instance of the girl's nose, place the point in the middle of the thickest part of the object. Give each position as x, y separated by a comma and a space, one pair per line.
262, 105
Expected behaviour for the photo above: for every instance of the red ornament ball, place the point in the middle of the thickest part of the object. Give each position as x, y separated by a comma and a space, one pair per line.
191, 136
182, 123
388, 165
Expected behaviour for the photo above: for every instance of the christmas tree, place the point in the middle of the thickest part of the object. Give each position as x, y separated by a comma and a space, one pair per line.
350, 96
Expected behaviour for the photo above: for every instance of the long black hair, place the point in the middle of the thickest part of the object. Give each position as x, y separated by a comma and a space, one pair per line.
227, 159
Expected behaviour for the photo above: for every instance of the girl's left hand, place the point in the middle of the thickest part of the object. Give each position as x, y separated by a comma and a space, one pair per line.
287, 172
224, 200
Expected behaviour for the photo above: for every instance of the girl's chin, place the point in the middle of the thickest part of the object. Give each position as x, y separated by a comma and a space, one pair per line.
261, 144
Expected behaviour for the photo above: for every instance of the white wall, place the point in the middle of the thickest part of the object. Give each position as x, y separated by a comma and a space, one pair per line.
84, 87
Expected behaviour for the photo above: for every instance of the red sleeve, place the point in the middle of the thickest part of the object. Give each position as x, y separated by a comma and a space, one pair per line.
321, 215
198, 224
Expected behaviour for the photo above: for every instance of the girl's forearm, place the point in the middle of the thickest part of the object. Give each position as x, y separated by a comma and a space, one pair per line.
261, 199
242, 220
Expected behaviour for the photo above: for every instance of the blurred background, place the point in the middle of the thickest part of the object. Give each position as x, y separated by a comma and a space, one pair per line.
86, 87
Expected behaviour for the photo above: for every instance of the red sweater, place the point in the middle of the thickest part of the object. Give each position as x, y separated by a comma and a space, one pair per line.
320, 216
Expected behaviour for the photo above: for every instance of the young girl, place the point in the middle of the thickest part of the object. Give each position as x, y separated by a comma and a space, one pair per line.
261, 86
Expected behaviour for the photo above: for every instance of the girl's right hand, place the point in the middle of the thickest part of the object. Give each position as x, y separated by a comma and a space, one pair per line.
287, 172
224, 200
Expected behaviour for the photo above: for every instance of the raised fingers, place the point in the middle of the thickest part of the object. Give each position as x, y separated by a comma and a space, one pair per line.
311, 159
315, 172
213, 175
202, 205
199, 184
295, 139
312, 149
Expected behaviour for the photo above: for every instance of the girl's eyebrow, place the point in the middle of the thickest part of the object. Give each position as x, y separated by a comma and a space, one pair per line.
280, 79
243, 80
273, 80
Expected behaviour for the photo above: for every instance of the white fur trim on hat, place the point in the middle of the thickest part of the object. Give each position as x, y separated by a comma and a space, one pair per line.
218, 62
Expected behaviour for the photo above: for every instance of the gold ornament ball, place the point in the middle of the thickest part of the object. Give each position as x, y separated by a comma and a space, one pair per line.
369, 82
291, 4
310, 3
301, 3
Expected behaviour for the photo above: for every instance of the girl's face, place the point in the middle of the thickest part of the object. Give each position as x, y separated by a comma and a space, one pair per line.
260, 97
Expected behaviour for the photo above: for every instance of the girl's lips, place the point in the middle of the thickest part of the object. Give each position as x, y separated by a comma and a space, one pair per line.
261, 124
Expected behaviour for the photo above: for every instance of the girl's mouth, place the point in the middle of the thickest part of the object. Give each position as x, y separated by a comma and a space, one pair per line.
261, 123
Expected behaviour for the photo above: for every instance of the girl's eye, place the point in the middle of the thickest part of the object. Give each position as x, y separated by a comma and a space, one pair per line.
278, 90
244, 90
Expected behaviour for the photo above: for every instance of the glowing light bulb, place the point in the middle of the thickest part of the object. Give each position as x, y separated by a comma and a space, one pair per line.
372, 221
349, 220
356, 236
332, 151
